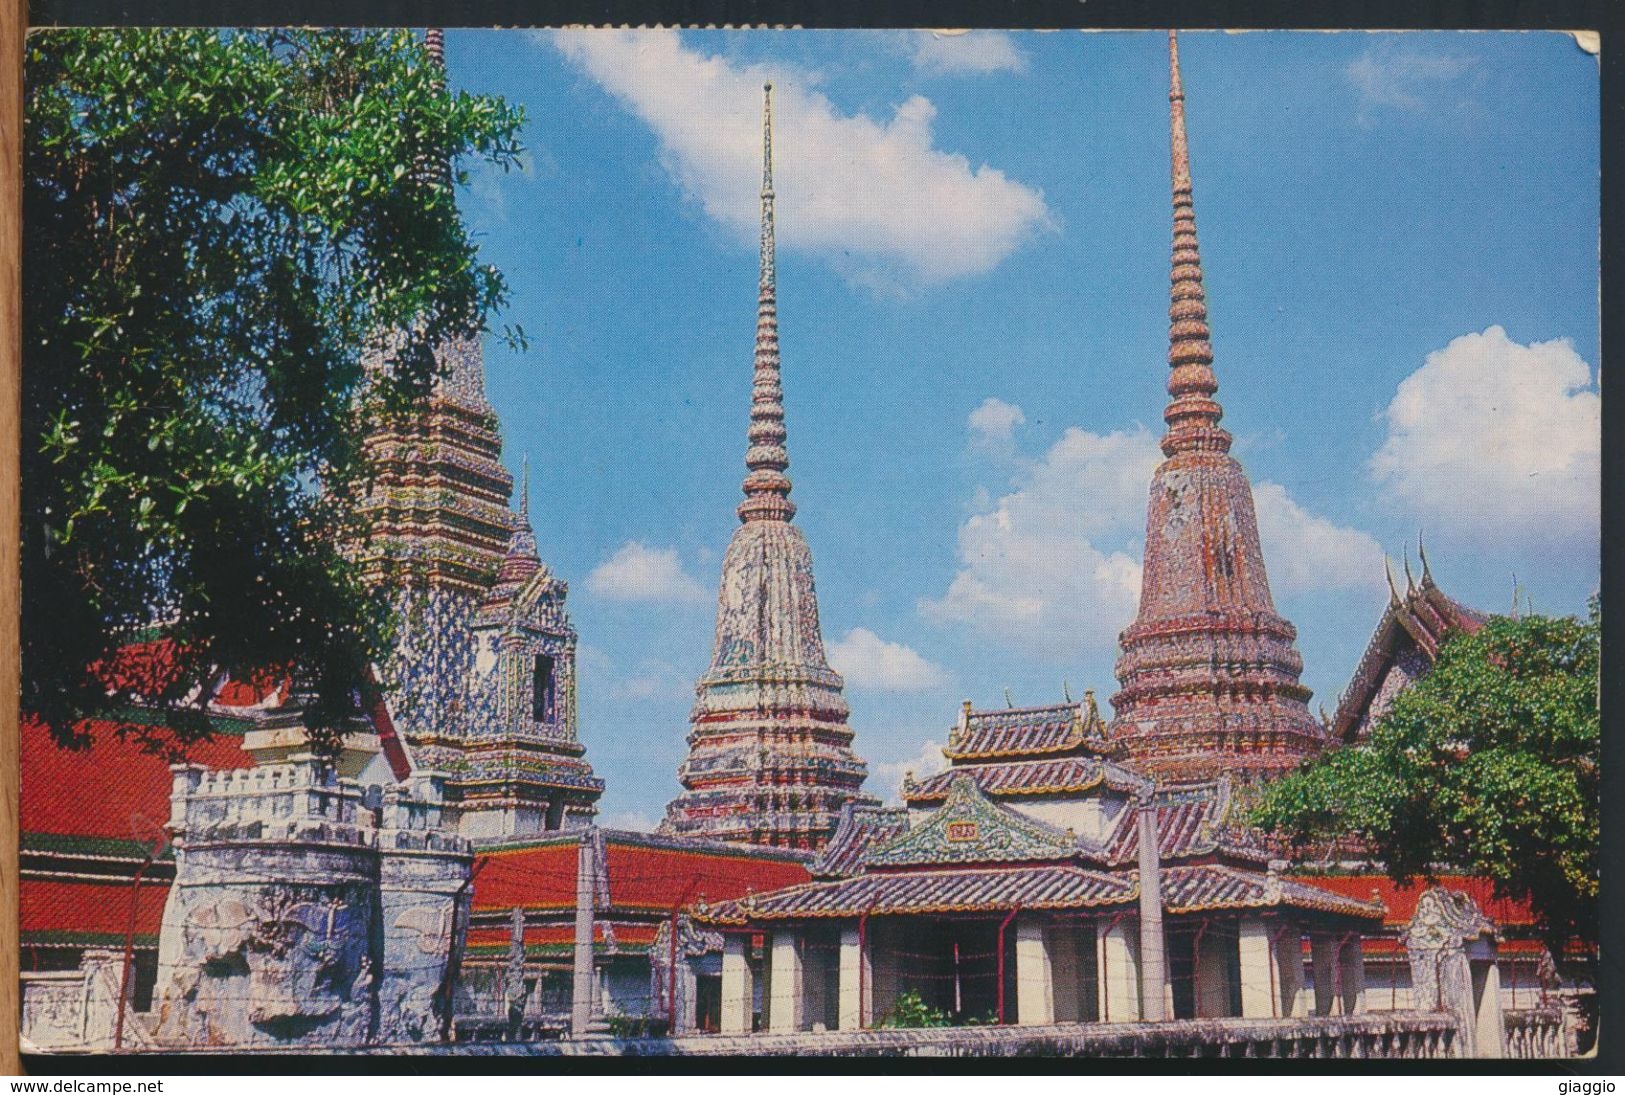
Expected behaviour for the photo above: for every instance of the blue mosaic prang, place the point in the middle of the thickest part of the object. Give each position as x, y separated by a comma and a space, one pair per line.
476, 609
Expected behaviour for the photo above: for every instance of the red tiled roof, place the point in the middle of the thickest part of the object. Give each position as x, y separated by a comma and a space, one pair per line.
1401, 901
86, 912
561, 936
644, 873
115, 788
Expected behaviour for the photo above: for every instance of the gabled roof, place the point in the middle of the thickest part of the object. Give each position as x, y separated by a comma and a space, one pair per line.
1053, 776
1051, 886
861, 826
1193, 820
1195, 889
970, 828
1028, 732
1420, 620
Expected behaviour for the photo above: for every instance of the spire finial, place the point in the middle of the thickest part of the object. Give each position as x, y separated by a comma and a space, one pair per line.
434, 41
767, 487
1193, 414
524, 487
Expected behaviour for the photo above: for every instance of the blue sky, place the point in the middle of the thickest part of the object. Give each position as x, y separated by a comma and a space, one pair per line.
1399, 234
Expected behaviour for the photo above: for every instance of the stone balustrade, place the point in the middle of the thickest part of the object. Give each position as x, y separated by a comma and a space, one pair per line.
1536, 1033
1376, 1035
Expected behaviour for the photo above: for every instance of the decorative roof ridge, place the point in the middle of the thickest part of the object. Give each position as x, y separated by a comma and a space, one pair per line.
954, 833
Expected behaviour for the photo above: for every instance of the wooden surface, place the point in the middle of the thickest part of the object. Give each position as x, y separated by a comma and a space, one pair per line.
13, 14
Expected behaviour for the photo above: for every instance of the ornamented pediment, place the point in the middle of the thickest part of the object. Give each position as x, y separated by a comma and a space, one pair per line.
970, 828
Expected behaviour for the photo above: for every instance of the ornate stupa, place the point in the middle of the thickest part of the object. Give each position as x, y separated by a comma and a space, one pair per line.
1209, 670
481, 682
770, 754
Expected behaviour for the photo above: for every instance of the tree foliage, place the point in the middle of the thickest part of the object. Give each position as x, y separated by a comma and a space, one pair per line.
221, 229
1489, 765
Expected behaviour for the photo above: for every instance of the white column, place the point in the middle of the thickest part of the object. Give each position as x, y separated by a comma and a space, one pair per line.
737, 995
1351, 963
856, 982
1154, 990
581, 991
1489, 1033
1118, 966
1259, 997
1323, 959
1287, 941
1035, 990
785, 1004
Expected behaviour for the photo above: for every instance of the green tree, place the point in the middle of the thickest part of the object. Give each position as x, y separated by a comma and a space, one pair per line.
1488, 765
221, 229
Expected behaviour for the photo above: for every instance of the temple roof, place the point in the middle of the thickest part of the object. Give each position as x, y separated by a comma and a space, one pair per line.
1195, 889
1420, 619
1027, 732
861, 825
1063, 775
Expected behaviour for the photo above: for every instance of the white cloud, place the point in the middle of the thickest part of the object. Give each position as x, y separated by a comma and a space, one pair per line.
869, 662
995, 419
1303, 552
1491, 437
1395, 74
635, 820
875, 198
965, 52
886, 777
637, 572
1031, 572
1052, 568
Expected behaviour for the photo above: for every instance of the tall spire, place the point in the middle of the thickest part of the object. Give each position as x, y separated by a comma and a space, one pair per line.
434, 41
1209, 670
524, 488
767, 488
1193, 414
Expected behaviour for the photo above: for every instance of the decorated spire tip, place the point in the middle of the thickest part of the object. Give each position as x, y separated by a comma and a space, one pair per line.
434, 42
766, 486
524, 486
1192, 414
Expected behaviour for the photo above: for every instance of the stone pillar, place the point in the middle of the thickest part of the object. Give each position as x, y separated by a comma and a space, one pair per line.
1323, 960
581, 985
1035, 987
785, 1005
1118, 966
738, 997
856, 983
1444, 938
1153, 957
1489, 1033
1286, 940
1351, 971
1259, 996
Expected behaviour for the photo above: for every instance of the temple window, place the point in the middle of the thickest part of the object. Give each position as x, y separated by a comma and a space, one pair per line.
543, 689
